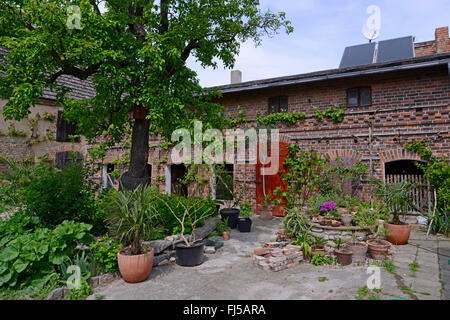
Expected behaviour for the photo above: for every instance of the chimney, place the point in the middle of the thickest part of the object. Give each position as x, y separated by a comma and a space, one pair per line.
236, 76
442, 40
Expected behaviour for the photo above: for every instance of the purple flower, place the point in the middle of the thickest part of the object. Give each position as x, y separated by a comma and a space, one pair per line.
327, 206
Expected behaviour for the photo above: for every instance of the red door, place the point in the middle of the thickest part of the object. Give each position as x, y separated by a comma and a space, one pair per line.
266, 185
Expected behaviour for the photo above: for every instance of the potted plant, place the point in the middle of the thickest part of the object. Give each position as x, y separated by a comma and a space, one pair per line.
339, 242
397, 198
223, 229
318, 245
244, 221
189, 252
133, 220
303, 240
379, 248
343, 255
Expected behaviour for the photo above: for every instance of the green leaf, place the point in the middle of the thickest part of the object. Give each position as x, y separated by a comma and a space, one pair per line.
8, 254
20, 265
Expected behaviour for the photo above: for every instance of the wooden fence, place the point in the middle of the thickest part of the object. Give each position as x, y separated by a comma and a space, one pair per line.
421, 194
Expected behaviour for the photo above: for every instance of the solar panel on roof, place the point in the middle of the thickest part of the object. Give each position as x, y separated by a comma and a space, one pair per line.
358, 55
395, 49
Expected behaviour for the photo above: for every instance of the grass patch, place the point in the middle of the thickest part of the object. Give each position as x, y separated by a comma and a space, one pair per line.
365, 293
322, 279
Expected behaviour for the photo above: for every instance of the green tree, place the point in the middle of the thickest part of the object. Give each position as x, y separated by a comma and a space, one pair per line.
134, 52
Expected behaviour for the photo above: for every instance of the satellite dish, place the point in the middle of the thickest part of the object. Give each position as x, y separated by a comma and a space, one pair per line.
372, 27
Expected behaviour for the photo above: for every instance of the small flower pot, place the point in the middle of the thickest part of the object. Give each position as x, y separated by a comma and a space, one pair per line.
335, 223
318, 250
135, 268
226, 236
344, 256
232, 215
189, 256
244, 224
378, 248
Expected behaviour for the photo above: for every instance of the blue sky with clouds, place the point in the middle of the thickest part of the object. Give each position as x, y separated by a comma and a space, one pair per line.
322, 29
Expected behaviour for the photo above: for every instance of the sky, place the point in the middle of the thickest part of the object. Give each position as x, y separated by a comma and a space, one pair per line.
322, 30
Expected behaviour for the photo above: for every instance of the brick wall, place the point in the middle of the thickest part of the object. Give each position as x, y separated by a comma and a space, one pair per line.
406, 105
441, 44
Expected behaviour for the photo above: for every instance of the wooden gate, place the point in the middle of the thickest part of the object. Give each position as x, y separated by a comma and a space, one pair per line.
421, 195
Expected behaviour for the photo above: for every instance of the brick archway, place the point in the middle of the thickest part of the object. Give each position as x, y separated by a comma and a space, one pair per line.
395, 155
343, 154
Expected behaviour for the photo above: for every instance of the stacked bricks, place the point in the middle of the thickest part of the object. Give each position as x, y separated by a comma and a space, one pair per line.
275, 258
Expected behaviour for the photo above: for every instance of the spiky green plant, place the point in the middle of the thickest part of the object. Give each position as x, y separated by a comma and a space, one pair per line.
135, 216
396, 197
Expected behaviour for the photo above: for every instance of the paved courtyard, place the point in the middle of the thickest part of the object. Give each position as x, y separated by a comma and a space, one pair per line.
229, 274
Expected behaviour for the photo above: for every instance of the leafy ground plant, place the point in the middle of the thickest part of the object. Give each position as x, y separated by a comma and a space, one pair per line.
320, 259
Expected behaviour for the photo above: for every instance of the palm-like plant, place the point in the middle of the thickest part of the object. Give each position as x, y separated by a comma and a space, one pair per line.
396, 197
135, 216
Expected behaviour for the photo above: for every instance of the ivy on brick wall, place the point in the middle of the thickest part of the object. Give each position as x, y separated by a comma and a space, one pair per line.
289, 118
336, 114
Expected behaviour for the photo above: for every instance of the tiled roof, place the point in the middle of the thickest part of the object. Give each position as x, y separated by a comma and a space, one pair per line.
80, 89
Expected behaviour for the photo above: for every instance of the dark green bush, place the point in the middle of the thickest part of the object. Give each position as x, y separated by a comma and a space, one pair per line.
55, 196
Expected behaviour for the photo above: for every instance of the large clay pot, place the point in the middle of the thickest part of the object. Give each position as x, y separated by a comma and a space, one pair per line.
135, 268
378, 248
359, 250
344, 256
397, 234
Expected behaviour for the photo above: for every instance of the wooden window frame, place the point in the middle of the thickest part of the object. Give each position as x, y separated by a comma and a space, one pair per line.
359, 97
62, 124
278, 107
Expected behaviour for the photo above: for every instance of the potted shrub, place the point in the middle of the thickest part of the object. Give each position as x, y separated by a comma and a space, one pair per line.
397, 198
189, 252
244, 222
133, 220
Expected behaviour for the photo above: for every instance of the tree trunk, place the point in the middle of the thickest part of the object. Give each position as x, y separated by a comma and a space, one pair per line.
138, 172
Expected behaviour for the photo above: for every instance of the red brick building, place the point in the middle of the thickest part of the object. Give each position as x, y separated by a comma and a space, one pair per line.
392, 102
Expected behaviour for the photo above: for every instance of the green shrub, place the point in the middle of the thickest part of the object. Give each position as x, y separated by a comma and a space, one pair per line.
55, 196
104, 251
31, 259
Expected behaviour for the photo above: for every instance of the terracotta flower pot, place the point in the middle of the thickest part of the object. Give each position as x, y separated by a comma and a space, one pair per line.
335, 223
135, 268
359, 250
226, 235
378, 248
344, 256
397, 234
318, 250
